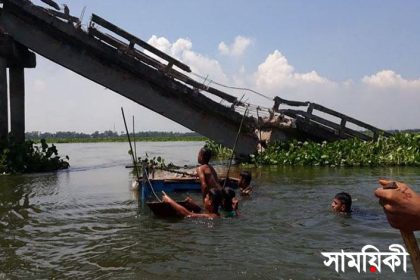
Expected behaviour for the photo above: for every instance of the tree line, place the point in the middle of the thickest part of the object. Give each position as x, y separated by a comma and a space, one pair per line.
36, 135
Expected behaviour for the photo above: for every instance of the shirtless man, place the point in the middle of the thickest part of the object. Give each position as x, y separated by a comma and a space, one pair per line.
206, 172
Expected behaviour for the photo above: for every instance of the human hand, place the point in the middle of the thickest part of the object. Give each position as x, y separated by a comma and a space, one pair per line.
401, 205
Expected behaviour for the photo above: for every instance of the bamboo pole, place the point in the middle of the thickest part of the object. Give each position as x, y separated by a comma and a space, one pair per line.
234, 147
413, 249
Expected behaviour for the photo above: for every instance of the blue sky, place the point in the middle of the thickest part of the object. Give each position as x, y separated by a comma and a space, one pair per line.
358, 57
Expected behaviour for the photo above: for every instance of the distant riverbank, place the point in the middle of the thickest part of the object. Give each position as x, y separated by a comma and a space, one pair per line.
124, 139
112, 136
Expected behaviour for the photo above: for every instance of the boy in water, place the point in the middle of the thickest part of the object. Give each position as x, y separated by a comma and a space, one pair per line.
244, 183
244, 188
229, 209
341, 203
212, 203
206, 172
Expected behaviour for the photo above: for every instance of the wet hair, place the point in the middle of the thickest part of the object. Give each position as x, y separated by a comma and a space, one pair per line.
345, 198
227, 195
247, 176
215, 196
206, 154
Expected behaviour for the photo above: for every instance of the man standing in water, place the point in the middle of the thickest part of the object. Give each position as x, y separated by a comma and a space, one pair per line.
206, 173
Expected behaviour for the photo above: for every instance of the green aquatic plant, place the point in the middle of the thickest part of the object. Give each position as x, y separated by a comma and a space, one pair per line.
29, 157
218, 151
155, 162
397, 150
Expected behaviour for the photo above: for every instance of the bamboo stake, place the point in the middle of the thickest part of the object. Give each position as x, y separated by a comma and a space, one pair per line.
129, 142
134, 161
134, 141
234, 147
413, 249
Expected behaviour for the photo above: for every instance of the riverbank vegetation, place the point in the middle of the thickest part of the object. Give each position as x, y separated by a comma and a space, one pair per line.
29, 157
110, 136
402, 149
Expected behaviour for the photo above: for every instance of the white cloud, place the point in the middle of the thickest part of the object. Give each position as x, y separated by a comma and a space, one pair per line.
199, 63
275, 73
237, 48
363, 99
161, 43
390, 79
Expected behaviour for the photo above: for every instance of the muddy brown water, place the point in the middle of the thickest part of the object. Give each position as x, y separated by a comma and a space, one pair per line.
86, 223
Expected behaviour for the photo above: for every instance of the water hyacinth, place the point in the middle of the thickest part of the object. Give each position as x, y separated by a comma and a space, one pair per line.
29, 157
398, 150
217, 150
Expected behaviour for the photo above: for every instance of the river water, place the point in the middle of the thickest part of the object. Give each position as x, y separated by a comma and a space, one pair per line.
86, 223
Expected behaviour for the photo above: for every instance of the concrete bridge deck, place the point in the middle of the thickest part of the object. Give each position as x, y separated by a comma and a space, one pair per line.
158, 81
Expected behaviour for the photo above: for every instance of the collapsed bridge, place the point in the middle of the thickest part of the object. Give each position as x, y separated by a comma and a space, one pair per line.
122, 62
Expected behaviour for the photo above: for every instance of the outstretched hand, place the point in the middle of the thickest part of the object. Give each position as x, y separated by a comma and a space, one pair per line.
401, 205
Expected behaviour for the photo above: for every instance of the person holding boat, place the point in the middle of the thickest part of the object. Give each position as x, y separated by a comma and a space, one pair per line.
244, 183
401, 205
229, 208
206, 173
212, 203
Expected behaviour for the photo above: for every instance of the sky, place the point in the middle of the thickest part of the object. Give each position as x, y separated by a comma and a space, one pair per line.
361, 58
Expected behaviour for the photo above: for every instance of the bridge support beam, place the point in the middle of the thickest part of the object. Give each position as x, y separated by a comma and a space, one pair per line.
16, 57
4, 112
17, 103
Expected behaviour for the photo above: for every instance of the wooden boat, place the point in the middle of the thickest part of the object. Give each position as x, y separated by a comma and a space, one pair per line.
162, 209
176, 185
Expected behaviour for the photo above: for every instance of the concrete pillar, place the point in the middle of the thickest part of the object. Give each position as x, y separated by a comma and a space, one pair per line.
17, 102
4, 112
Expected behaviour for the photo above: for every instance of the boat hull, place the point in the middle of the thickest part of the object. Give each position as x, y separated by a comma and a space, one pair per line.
174, 185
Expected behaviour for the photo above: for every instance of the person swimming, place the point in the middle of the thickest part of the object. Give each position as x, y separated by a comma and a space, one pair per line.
228, 207
342, 203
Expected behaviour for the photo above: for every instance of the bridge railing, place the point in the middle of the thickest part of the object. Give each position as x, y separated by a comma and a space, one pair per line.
340, 129
142, 56
134, 40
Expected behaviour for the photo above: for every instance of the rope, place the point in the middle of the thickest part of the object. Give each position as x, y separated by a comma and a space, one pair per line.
232, 87
151, 185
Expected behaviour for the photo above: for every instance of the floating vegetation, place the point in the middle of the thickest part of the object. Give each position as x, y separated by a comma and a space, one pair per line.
402, 149
155, 162
397, 150
218, 151
29, 157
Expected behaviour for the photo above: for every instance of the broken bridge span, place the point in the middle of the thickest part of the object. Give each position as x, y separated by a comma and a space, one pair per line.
122, 62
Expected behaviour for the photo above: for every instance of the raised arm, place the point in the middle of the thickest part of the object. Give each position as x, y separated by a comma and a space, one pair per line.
181, 210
